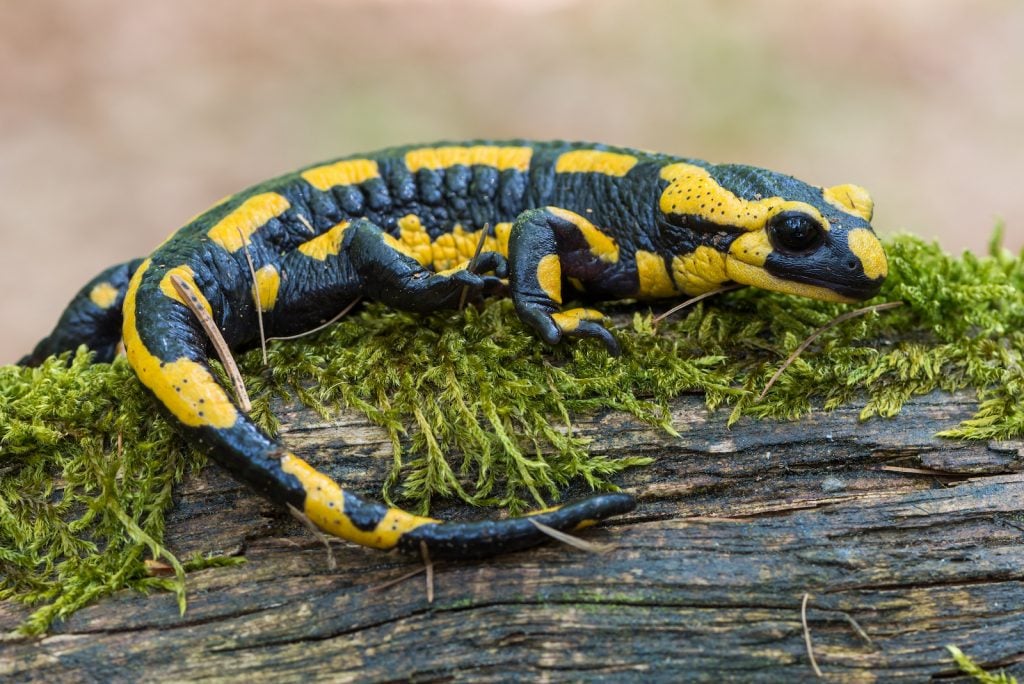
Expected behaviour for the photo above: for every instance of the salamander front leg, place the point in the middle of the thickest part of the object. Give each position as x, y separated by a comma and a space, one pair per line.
544, 246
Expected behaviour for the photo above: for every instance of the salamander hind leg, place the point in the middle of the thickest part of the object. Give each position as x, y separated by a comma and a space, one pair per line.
92, 317
545, 246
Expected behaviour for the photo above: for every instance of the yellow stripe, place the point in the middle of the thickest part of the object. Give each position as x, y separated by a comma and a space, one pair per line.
185, 387
595, 161
325, 245
325, 506
653, 275
601, 246
234, 230
351, 172
501, 158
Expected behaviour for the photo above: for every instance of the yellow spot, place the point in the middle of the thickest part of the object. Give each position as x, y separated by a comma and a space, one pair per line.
700, 271
501, 233
601, 246
748, 274
501, 158
415, 236
458, 245
595, 161
693, 192
325, 506
397, 245
234, 230
868, 249
188, 275
268, 282
654, 278
325, 245
549, 276
103, 295
351, 172
850, 198
569, 320
185, 387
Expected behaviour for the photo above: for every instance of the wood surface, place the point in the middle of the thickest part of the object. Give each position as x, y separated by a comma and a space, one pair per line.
903, 542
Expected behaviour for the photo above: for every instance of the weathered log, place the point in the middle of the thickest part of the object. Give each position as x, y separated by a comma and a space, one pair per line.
904, 543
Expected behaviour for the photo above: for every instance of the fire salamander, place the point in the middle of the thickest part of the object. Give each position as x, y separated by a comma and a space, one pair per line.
558, 221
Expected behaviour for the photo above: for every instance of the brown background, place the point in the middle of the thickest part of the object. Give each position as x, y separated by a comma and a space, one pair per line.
120, 119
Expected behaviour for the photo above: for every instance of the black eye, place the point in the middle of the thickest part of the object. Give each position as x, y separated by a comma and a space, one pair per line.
792, 231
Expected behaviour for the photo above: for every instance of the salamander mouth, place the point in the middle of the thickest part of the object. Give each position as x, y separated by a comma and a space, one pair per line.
757, 276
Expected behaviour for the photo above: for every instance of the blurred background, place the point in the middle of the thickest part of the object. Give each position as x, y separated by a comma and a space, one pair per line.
121, 119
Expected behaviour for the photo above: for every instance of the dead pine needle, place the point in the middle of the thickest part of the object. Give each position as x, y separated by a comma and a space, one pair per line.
256, 295
472, 263
341, 314
575, 542
807, 635
398, 580
191, 300
429, 566
842, 318
320, 536
693, 300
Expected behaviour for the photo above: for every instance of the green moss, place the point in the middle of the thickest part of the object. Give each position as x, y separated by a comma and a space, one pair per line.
471, 399
972, 669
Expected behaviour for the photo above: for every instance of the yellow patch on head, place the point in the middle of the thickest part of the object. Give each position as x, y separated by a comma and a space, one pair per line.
850, 198
655, 280
266, 286
326, 244
501, 158
188, 275
693, 192
103, 295
185, 387
751, 248
595, 161
601, 245
700, 271
325, 507
235, 230
350, 172
866, 247
549, 277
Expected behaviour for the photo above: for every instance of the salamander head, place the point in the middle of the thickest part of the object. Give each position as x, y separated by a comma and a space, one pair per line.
775, 232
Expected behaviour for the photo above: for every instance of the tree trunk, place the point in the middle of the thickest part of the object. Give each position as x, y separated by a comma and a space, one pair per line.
902, 542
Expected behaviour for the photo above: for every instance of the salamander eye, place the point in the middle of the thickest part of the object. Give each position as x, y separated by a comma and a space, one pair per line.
794, 232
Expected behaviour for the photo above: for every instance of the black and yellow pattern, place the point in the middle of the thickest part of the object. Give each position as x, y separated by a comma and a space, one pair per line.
401, 226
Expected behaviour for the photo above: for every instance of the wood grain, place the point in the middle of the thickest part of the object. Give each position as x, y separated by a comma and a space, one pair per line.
905, 543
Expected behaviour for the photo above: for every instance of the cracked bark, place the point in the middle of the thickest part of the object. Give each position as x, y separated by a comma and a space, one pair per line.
917, 540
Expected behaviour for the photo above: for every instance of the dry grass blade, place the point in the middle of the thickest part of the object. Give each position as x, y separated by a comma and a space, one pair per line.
320, 536
576, 542
320, 327
429, 566
256, 294
220, 346
693, 300
807, 635
842, 318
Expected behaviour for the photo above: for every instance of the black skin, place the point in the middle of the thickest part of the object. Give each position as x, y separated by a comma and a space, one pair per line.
366, 264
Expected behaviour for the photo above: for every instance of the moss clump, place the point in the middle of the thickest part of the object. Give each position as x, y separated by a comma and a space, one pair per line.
471, 400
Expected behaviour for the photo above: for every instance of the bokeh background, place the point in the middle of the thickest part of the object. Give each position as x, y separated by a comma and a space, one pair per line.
120, 119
